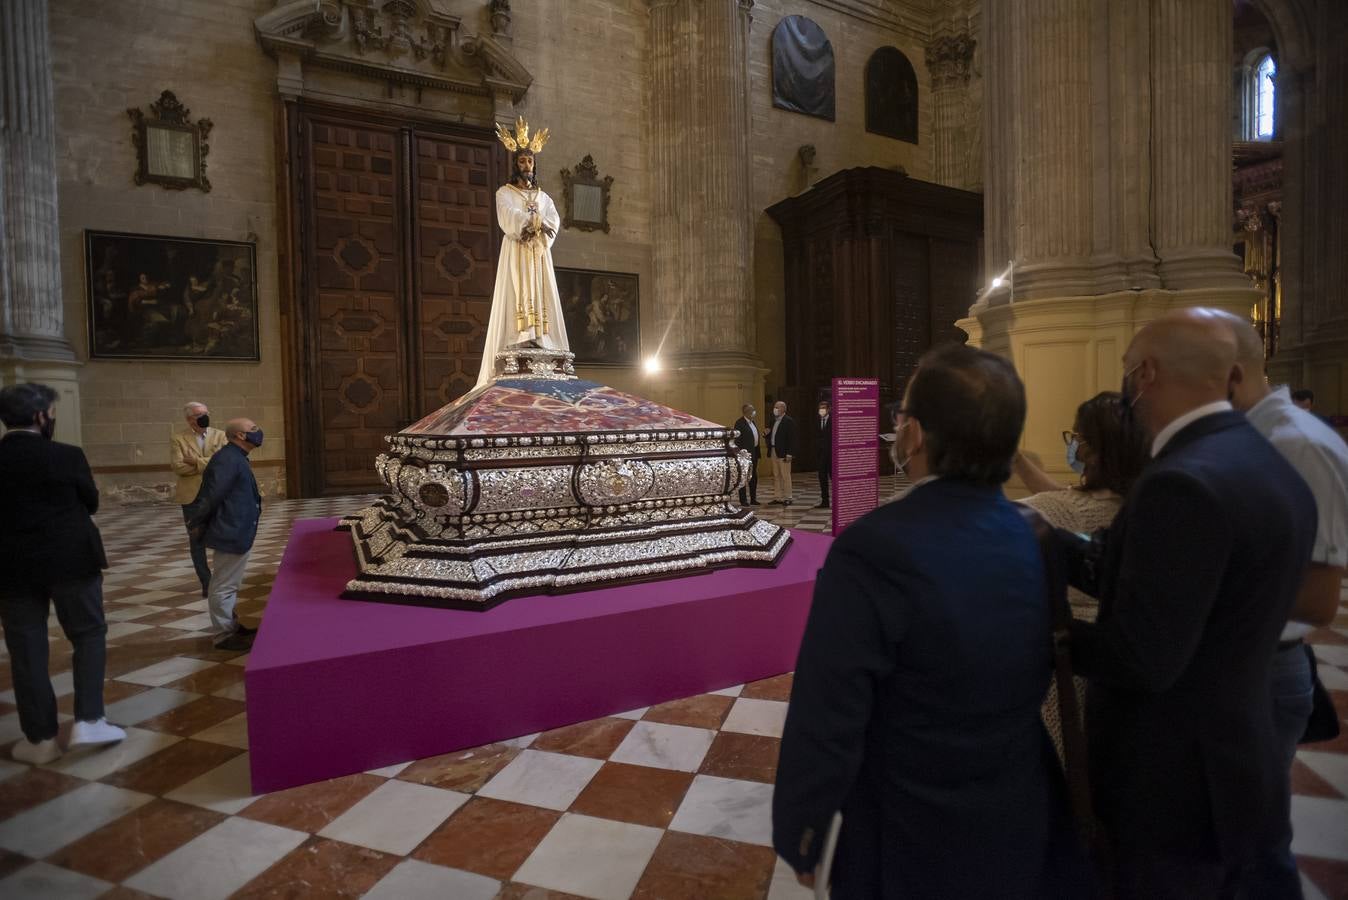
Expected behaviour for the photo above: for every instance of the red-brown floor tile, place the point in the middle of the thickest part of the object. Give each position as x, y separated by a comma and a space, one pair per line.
122, 848
125, 893
310, 807
638, 794
320, 868
749, 757
1307, 783
208, 681
703, 711
775, 688
33, 788
596, 739
164, 617
705, 868
463, 770
6, 708
1327, 636
1329, 875
490, 837
195, 716
172, 767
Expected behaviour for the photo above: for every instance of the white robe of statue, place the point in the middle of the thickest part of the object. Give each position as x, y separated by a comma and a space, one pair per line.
525, 305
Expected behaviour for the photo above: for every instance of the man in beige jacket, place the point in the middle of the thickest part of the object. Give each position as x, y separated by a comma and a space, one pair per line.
191, 449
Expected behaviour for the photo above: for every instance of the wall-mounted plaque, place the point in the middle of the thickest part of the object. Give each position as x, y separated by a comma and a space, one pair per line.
603, 316
802, 68
170, 148
170, 298
585, 197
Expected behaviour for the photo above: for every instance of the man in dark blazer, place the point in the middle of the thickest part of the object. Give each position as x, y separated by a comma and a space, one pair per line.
747, 438
50, 553
1198, 575
225, 514
824, 452
915, 703
781, 450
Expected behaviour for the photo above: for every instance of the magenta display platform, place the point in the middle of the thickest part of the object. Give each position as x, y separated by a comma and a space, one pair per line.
339, 686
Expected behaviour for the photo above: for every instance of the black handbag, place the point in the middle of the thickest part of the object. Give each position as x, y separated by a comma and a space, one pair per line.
1323, 724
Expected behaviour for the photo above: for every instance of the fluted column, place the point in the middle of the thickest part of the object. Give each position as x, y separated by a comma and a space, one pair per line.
1050, 70
1191, 143
949, 59
31, 318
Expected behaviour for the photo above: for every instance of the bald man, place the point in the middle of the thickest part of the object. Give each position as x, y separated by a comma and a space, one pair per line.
224, 517
1198, 576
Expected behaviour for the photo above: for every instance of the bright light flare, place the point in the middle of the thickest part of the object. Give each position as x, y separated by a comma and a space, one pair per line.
651, 365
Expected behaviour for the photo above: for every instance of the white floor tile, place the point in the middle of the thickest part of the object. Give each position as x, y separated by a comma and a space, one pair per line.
198, 605
389, 771
522, 743
727, 808
1334, 678
219, 862
395, 817
784, 885
161, 673
412, 879
1308, 890
41, 881
101, 760
238, 660
765, 717
232, 692
233, 732
1334, 654
664, 746
146, 705
1319, 826
48, 827
127, 613
199, 622
549, 780
634, 714
226, 789
124, 629
61, 684
591, 857
732, 691
1332, 767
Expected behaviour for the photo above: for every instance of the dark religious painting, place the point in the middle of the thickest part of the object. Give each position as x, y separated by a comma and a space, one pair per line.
891, 95
170, 298
603, 316
802, 68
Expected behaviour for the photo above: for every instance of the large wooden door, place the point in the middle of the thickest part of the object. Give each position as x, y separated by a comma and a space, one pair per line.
396, 239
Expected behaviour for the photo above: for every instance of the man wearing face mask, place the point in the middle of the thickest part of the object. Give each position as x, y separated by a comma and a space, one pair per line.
189, 452
747, 438
224, 515
824, 452
781, 449
1199, 573
51, 554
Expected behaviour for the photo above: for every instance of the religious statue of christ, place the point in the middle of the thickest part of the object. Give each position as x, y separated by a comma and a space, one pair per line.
525, 307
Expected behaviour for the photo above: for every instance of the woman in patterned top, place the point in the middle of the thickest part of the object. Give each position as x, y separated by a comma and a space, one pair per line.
1109, 455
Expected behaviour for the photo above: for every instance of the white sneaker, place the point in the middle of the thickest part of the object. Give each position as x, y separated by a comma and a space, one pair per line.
96, 732
39, 754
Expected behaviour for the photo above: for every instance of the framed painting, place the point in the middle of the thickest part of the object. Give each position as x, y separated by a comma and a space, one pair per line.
152, 297
603, 316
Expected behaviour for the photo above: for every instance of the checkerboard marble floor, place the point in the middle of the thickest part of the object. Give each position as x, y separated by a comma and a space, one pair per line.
666, 802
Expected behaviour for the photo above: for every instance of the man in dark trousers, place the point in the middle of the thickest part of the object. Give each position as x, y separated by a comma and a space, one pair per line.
1198, 575
824, 452
225, 514
781, 450
747, 438
50, 554
915, 704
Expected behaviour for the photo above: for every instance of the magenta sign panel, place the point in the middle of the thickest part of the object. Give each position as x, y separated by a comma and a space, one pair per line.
856, 474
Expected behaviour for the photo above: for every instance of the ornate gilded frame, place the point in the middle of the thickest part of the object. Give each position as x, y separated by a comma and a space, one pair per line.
170, 148
593, 191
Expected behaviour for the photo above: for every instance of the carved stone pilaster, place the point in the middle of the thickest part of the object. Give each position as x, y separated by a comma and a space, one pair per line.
950, 62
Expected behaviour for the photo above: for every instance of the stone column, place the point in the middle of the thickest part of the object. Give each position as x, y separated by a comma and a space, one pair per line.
702, 227
949, 58
1191, 144
33, 346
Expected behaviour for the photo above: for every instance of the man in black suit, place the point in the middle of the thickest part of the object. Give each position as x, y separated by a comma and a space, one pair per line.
1198, 575
915, 704
50, 553
824, 452
781, 450
747, 438
225, 514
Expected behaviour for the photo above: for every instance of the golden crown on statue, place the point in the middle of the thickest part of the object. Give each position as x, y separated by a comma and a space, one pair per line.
519, 142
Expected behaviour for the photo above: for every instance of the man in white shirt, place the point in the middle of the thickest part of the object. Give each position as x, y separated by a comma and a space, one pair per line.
189, 452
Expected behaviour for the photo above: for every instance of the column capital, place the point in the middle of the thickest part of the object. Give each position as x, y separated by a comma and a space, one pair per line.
950, 60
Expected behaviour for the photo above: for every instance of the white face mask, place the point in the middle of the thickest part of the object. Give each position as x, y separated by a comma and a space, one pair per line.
899, 465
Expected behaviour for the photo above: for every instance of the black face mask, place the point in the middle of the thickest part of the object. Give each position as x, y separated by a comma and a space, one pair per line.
203, 421
48, 428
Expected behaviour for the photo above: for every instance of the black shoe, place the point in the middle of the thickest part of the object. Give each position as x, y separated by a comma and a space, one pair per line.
754, 503
243, 630
236, 642
787, 502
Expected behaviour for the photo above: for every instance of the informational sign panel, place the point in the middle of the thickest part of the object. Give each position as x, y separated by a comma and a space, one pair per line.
856, 473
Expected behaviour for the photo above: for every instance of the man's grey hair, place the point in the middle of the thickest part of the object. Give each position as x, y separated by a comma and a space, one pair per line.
188, 407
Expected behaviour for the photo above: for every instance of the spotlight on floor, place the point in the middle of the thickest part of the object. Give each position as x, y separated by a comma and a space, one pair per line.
652, 365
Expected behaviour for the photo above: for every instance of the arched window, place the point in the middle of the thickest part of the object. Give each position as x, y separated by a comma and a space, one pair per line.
1260, 96
891, 95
